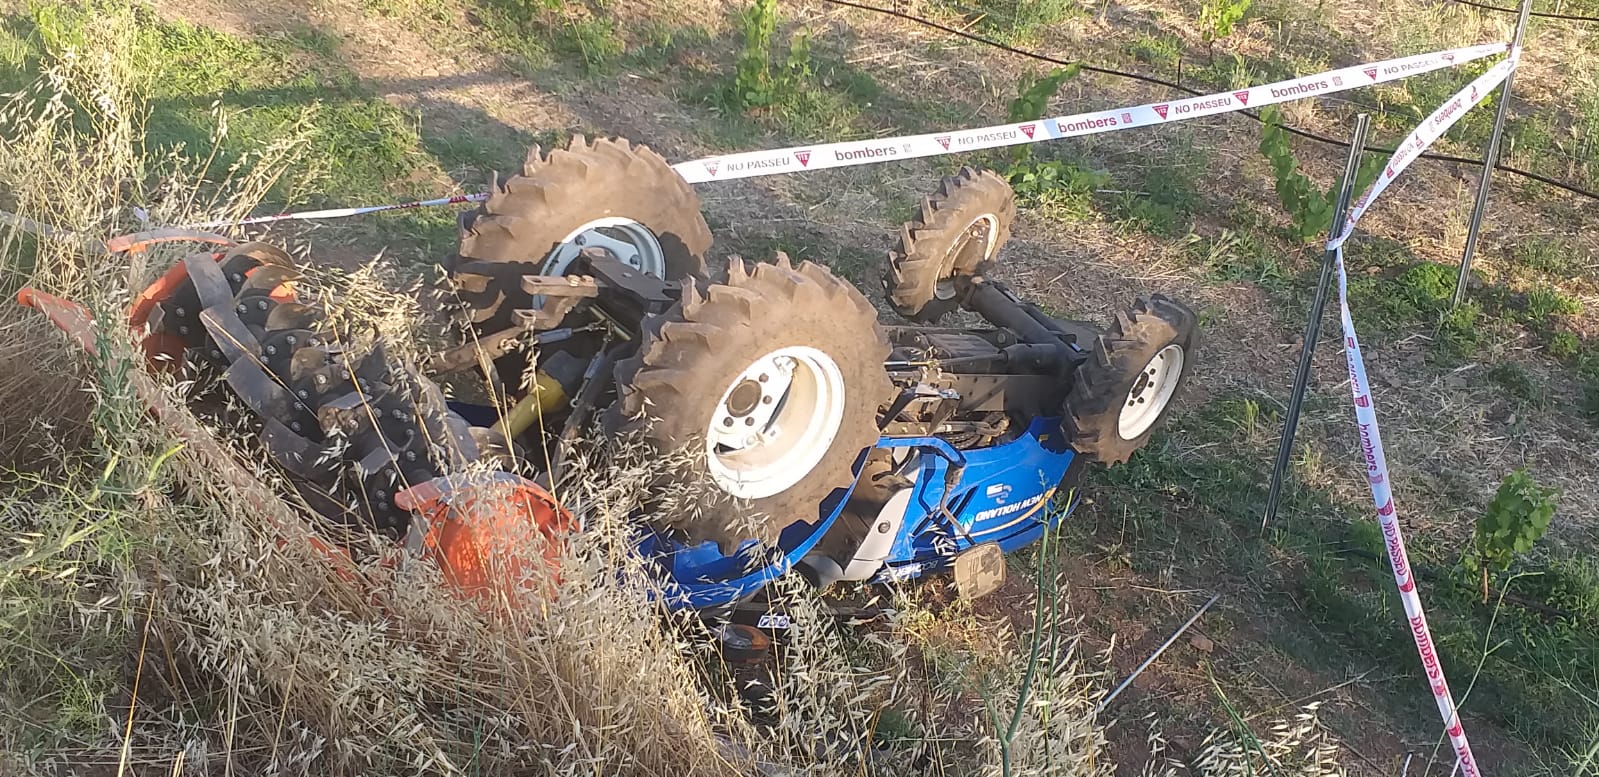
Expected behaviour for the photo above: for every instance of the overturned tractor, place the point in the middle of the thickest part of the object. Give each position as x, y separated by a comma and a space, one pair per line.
801, 433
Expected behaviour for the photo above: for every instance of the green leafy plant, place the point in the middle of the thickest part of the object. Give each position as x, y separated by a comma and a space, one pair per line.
1564, 345
1033, 92
1546, 301
1033, 95
1054, 183
1057, 185
759, 82
1310, 208
1218, 17
1516, 519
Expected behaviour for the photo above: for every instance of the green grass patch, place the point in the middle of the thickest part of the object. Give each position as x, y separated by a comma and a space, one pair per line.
1399, 300
1164, 51
1545, 257
1012, 21
1155, 193
1520, 383
1242, 257
259, 92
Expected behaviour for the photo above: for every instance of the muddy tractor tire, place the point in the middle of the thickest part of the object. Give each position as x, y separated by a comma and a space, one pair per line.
608, 193
959, 232
348, 427
760, 395
1135, 369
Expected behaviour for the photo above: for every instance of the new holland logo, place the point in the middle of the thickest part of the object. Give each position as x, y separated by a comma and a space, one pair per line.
1161, 109
1007, 510
998, 492
943, 140
1027, 129
711, 165
1243, 96
804, 157
1371, 73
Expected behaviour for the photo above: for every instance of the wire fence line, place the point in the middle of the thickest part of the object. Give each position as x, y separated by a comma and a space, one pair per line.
1173, 85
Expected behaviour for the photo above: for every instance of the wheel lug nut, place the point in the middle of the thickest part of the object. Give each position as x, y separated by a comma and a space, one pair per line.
728, 421
262, 305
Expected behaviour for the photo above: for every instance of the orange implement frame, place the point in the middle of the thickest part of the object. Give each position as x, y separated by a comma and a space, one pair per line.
487, 533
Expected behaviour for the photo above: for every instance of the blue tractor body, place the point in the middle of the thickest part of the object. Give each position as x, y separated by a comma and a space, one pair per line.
1005, 494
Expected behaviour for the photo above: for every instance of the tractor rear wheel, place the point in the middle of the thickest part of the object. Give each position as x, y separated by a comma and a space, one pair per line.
1135, 369
959, 232
608, 193
761, 394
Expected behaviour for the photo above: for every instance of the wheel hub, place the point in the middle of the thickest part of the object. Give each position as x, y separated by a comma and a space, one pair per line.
977, 237
1151, 392
632, 243
775, 422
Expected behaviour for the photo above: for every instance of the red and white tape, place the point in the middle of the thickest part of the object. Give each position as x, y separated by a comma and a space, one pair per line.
1377, 474
861, 152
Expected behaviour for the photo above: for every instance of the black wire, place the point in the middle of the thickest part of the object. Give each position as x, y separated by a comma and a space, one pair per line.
1308, 135
1542, 14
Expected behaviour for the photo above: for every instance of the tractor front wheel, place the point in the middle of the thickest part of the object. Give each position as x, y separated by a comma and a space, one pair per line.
1135, 370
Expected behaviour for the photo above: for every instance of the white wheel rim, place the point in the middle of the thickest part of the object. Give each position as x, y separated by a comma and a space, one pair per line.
1147, 400
946, 288
775, 422
632, 243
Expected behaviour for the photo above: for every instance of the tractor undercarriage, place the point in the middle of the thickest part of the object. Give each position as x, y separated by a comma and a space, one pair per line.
794, 430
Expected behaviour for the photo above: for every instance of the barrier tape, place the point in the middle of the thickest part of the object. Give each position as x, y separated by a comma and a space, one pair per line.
333, 213
861, 152
1377, 474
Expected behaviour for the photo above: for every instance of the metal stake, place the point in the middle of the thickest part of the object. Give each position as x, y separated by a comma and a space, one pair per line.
1489, 159
1318, 307
1141, 667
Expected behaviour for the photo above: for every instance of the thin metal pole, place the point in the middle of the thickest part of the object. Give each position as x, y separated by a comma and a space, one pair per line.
1318, 307
1489, 159
1141, 667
